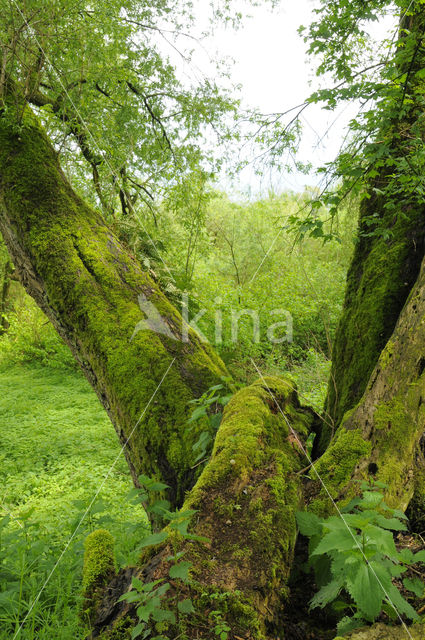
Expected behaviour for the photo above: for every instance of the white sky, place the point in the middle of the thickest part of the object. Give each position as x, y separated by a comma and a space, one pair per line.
271, 63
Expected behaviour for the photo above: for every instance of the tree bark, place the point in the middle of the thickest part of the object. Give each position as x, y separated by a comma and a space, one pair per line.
4, 296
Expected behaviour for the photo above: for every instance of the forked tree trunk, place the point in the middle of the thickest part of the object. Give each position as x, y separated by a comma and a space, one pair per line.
88, 284
248, 493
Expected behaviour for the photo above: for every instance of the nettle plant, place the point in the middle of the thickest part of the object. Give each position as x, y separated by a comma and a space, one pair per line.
355, 560
155, 606
208, 406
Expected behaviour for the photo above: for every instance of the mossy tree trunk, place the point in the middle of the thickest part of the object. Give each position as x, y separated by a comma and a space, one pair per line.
88, 284
382, 437
4, 296
390, 243
245, 502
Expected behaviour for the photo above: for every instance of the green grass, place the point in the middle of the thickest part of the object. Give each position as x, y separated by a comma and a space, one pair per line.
56, 448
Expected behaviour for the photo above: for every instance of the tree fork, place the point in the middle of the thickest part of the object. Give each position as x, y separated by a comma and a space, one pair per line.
245, 502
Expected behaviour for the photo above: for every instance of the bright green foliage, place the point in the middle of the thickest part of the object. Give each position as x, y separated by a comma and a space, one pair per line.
221, 628
354, 556
30, 336
57, 447
149, 598
384, 154
104, 74
208, 412
246, 260
153, 606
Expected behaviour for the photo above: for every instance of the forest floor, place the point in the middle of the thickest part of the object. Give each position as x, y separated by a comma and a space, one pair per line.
57, 449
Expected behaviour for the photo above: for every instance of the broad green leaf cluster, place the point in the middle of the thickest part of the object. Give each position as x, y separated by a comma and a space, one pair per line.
153, 606
355, 560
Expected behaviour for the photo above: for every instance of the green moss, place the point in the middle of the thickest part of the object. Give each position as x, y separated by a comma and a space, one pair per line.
247, 495
99, 561
336, 467
384, 632
386, 355
121, 631
396, 434
234, 609
98, 569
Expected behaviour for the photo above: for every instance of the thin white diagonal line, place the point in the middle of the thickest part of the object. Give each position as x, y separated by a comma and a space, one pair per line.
300, 444
9, 513
91, 136
91, 503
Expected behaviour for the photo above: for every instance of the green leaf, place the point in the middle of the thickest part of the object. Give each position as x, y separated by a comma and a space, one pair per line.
371, 499
180, 570
130, 596
308, 523
198, 413
420, 556
381, 539
390, 523
151, 484
350, 506
137, 584
367, 589
163, 615
407, 556
136, 632
145, 611
185, 606
336, 541
155, 538
327, 594
149, 586
401, 604
347, 624
415, 585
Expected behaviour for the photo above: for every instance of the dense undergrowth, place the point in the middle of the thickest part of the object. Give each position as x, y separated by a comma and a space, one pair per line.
57, 447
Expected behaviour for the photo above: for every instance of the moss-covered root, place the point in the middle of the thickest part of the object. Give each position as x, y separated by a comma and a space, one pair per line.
245, 502
96, 295
98, 569
382, 632
381, 437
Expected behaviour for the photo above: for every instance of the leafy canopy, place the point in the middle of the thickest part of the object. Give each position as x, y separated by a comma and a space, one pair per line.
114, 84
